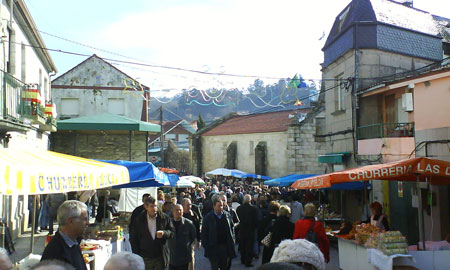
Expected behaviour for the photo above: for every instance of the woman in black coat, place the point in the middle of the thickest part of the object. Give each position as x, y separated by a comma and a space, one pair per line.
266, 228
282, 229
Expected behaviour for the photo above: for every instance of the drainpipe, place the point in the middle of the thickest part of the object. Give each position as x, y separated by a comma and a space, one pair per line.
355, 104
12, 52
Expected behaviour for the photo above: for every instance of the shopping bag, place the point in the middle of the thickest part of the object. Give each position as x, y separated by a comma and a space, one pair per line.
267, 239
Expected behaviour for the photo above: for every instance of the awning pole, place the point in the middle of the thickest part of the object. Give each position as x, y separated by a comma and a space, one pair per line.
420, 213
33, 224
4, 221
105, 209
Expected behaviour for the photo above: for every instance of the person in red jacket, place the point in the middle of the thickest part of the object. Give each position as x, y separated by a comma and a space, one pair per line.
303, 226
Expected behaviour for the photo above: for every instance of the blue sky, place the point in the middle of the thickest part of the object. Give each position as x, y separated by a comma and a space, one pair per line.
251, 37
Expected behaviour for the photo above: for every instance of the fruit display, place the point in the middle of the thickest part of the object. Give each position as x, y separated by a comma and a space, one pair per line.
88, 246
110, 232
366, 231
324, 213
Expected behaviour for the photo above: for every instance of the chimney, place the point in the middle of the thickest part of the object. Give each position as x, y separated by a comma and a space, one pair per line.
406, 3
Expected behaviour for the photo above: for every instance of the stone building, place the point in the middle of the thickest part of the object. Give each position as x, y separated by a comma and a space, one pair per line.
370, 41
105, 136
95, 87
273, 144
102, 113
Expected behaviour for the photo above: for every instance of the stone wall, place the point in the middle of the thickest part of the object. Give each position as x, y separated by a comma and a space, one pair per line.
303, 149
214, 152
101, 145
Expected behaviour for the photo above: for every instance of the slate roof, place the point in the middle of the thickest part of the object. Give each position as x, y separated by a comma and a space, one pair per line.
383, 11
253, 123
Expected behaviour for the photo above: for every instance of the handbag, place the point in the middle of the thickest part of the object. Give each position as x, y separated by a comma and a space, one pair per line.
266, 240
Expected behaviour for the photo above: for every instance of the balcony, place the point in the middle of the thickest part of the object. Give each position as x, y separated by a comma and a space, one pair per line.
10, 98
50, 125
19, 104
385, 130
393, 141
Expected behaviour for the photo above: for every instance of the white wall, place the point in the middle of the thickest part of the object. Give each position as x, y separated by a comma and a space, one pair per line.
35, 72
33, 63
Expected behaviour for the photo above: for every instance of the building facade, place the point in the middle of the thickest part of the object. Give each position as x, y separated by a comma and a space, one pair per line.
419, 104
95, 87
273, 144
373, 42
25, 86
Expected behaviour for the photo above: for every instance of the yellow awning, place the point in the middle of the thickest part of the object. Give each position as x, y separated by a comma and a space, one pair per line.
42, 172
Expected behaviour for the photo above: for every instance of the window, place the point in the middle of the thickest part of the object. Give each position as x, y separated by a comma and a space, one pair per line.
41, 89
251, 149
10, 64
340, 94
69, 107
183, 137
23, 64
46, 93
116, 106
171, 136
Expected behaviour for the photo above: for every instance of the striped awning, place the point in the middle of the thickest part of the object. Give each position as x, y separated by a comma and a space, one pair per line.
42, 172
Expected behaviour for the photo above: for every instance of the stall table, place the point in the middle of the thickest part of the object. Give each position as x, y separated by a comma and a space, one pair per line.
353, 256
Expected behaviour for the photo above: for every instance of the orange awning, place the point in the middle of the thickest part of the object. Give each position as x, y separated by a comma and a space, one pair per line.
436, 171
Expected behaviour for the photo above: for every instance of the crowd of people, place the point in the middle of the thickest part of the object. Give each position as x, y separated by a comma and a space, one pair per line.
165, 231
223, 217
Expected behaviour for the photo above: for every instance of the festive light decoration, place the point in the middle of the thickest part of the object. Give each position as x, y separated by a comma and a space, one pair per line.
291, 94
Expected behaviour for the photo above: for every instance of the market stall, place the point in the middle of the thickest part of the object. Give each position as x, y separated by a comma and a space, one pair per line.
46, 172
144, 178
226, 172
194, 179
431, 171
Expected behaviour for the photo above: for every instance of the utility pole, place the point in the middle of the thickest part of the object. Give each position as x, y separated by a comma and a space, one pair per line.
161, 139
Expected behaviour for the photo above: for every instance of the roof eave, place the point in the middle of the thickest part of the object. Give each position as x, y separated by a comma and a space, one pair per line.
34, 31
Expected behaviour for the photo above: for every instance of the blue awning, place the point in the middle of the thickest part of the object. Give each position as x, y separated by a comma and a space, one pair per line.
142, 174
356, 185
258, 176
173, 179
287, 180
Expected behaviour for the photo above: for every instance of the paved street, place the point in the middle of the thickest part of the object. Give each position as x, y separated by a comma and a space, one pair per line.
202, 263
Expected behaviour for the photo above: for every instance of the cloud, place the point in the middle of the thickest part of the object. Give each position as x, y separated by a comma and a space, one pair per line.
266, 38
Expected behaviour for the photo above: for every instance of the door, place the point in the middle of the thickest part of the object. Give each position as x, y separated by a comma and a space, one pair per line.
390, 115
403, 217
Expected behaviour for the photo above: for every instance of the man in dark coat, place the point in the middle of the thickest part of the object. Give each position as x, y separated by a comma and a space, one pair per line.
72, 219
54, 201
150, 232
137, 211
196, 219
218, 236
180, 245
248, 218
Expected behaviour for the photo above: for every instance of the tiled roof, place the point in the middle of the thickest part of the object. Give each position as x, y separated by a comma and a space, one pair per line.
254, 123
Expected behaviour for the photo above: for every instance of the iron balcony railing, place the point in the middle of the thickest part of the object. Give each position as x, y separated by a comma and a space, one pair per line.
19, 101
10, 105
385, 130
